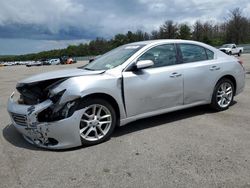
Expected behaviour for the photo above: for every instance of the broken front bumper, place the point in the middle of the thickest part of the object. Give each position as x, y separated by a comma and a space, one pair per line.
54, 135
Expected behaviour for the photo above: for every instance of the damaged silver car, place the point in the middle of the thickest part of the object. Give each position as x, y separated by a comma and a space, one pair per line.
82, 106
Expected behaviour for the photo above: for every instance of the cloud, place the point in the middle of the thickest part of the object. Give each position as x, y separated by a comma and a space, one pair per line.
88, 19
77, 19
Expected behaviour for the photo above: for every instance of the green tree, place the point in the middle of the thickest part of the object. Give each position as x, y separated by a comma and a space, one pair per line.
169, 30
155, 35
184, 32
237, 27
119, 40
197, 31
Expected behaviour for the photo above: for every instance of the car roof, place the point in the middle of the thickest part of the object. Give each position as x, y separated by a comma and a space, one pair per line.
146, 42
164, 41
150, 43
159, 41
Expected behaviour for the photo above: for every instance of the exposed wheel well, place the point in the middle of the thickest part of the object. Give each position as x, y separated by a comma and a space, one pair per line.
107, 98
232, 79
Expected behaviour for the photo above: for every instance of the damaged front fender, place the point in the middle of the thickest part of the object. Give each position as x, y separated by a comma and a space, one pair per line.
26, 115
56, 134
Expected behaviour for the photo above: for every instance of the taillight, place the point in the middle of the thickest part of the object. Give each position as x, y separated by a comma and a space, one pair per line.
240, 62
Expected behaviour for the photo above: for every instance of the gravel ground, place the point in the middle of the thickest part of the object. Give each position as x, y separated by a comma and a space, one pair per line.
188, 148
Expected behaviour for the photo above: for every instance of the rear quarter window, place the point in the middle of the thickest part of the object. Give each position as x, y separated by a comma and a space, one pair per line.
210, 54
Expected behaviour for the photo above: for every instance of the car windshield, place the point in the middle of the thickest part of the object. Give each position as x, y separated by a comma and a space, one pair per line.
227, 46
113, 58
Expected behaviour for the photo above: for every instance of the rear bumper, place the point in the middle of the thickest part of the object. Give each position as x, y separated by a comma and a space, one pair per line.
60, 134
240, 81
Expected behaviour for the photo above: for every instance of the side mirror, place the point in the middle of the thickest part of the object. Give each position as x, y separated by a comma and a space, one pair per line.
142, 64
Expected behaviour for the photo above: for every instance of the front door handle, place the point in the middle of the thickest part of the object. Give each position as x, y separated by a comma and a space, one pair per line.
175, 75
213, 68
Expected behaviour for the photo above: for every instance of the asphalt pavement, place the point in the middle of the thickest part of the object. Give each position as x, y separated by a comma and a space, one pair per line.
190, 148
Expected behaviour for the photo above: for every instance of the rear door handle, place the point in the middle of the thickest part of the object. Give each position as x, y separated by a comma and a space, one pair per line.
175, 75
213, 68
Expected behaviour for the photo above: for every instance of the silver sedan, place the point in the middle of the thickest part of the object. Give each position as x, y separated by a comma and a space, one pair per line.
82, 106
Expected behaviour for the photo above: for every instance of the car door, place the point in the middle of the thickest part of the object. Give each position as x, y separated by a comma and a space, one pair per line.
234, 49
155, 88
200, 72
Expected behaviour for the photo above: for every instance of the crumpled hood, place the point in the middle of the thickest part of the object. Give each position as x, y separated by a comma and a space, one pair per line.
59, 74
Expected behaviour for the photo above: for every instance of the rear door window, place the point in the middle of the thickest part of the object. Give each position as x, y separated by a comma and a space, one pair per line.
192, 53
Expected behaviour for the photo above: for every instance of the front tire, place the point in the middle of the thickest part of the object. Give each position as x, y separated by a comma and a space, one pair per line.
239, 53
223, 95
98, 121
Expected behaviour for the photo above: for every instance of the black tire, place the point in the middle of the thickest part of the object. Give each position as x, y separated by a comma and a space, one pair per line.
230, 53
239, 53
214, 103
92, 101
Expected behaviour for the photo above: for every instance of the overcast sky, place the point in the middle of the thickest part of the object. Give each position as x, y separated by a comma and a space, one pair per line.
35, 25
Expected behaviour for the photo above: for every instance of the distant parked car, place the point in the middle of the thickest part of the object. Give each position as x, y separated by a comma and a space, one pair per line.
70, 61
231, 49
68, 108
54, 61
34, 63
8, 63
63, 59
45, 61
67, 60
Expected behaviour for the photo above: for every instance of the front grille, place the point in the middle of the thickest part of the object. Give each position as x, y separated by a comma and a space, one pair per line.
19, 119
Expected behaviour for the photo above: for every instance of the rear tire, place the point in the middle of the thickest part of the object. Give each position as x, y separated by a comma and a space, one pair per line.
223, 95
97, 122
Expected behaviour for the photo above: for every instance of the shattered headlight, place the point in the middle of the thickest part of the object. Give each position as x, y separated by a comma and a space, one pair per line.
54, 92
65, 112
56, 97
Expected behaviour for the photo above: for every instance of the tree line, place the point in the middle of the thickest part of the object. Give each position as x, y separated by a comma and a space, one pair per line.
235, 29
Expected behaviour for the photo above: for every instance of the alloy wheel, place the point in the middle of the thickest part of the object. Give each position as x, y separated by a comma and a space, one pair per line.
95, 122
224, 94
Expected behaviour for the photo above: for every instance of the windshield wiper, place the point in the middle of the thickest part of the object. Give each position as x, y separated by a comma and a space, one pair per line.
85, 68
88, 69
